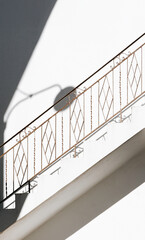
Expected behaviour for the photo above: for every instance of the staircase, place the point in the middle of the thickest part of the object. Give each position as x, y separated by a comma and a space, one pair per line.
107, 95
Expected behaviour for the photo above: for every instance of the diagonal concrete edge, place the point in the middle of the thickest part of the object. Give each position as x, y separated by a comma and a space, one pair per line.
87, 196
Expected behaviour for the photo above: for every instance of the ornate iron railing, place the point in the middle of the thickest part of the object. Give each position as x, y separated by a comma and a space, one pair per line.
98, 99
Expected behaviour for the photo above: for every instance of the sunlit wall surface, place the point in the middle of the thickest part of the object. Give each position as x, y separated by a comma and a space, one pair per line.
79, 37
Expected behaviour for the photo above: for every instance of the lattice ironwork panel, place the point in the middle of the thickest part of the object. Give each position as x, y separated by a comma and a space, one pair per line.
105, 98
77, 119
134, 76
20, 163
48, 142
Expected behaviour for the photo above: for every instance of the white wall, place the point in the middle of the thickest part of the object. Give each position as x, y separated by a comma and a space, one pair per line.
78, 38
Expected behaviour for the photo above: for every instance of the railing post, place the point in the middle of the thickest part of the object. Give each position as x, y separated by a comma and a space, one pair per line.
6, 178
113, 88
141, 73
62, 131
120, 93
127, 80
84, 114
34, 153
91, 108
98, 103
27, 157
41, 146
13, 170
55, 133
69, 123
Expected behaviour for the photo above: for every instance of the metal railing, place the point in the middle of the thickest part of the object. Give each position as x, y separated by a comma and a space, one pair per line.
98, 99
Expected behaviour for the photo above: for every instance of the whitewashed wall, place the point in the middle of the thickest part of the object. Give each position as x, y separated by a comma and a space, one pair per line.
78, 38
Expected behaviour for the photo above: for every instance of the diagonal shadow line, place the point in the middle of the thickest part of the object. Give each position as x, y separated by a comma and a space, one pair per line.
21, 25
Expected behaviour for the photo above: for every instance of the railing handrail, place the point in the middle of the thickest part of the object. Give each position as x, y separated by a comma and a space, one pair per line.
67, 104
83, 119
72, 90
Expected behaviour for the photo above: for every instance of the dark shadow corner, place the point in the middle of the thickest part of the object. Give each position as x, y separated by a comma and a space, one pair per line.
9, 216
21, 24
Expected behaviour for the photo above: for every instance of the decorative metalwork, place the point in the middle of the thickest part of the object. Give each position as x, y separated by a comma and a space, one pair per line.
77, 120
134, 75
106, 94
48, 142
20, 163
105, 97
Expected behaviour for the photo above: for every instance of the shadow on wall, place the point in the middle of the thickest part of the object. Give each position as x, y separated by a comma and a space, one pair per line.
64, 102
21, 24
